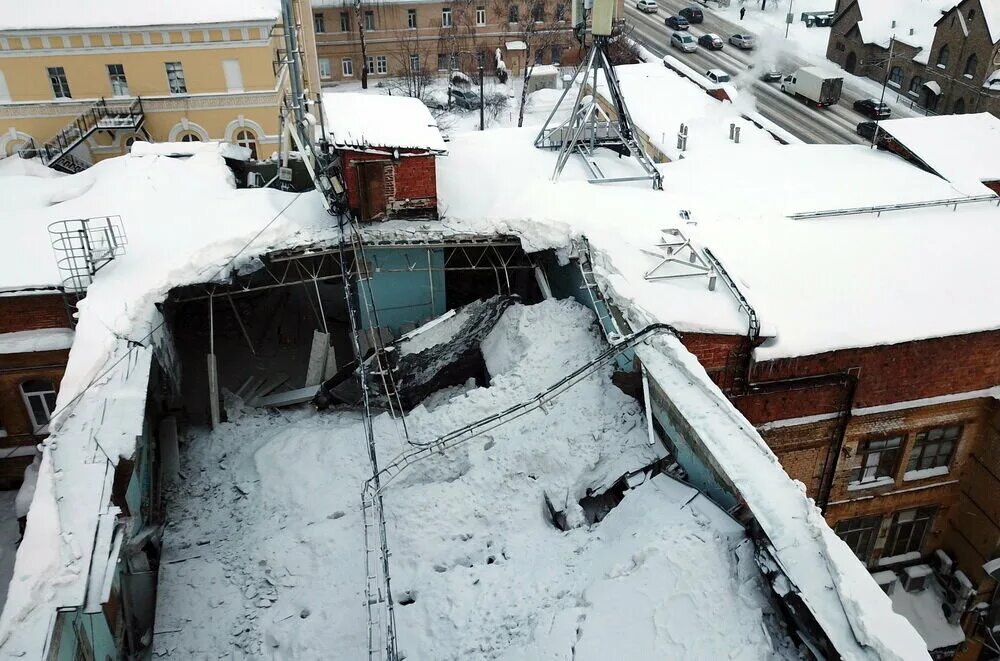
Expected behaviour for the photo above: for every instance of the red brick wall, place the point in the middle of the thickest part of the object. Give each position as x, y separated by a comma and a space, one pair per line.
15, 369
410, 182
32, 312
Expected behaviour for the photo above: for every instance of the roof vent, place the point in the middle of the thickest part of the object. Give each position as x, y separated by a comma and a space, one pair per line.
911, 31
893, 24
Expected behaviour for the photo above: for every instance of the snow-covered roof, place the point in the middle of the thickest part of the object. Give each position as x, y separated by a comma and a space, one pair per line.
183, 149
881, 20
380, 121
818, 285
991, 14
964, 149
31, 341
67, 14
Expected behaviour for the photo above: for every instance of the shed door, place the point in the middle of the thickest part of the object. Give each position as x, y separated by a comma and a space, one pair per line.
371, 177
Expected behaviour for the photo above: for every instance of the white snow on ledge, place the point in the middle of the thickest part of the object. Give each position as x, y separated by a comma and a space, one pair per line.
872, 484
33, 341
937, 471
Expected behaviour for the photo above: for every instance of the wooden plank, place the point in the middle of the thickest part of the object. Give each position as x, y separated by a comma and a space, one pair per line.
317, 358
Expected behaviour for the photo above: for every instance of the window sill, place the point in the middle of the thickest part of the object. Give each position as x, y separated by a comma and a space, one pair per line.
894, 85
942, 66
871, 484
926, 473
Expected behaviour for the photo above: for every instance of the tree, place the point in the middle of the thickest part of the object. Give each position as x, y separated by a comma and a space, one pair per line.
416, 77
359, 16
540, 27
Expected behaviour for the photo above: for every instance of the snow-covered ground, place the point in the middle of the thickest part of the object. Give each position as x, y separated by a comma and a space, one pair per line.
263, 550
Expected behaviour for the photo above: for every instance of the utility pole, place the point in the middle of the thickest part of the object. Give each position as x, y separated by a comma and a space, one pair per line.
885, 82
482, 100
789, 18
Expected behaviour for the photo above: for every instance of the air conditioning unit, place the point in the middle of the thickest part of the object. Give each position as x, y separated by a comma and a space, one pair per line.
915, 578
942, 563
255, 180
886, 580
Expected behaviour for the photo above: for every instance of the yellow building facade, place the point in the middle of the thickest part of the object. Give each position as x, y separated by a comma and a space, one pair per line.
95, 91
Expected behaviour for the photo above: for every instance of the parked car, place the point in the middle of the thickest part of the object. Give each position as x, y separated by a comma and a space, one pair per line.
692, 14
717, 76
867, 130
872, 108
684, 42
464, 98
743, 41
677, 22
771, 76
647, 6
710, 41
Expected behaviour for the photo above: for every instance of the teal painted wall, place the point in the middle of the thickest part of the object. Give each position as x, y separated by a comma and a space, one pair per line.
75, 629
407, 294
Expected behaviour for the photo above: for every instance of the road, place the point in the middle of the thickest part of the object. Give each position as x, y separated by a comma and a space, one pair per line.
835, 124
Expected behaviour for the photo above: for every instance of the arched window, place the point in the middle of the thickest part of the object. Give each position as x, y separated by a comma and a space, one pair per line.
246, 138
942, 60
896, 76
40, 400
971, 65
915, 83
959, 106
190, 137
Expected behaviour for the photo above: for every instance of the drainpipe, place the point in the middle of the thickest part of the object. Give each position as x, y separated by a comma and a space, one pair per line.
294, 69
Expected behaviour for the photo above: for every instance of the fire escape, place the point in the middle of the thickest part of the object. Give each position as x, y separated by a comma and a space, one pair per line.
111, 118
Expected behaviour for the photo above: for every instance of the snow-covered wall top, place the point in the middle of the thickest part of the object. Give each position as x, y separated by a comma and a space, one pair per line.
362, 121
30, 341
67, 14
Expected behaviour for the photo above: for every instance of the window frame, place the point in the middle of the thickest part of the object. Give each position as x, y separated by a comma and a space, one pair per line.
59, 82
47, 403
411, 19
119, 78
245, 137
513, 14
538, 12
370, 20
480, 16
888, 459
860, 529
447, 19
896, 76
442, 64
923, 442
319, 22
347, 67
916, 82
414, 63
971, 64
944, 56
381, 65
922, 518
345, 21
179, 68
329, 68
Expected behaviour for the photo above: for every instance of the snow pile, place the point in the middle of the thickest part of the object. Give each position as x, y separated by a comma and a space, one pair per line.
262, 552
362, 121
46, 339
9, 534
62, 14
964, 149
924, 611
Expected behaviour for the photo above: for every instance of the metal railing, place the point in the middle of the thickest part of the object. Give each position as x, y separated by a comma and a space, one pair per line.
877, 210
102, 115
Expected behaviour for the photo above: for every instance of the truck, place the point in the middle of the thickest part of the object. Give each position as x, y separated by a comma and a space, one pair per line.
814, 85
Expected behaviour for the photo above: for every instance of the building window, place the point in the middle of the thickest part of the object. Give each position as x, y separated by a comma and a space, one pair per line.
538, 12
896, 76
233, 74
60, 86
539, 56
370, 64
860, 534
959, 107
934, 447
446, 17
119, 86
246, 138
878, 459
480, 15
942, 60
442, 61
414, 63
318, 23
915, 84
971, 65
513, 14
556, 54
175, 78
481, 59
345, 22
40, 400
190, 136
411, 19
381, 64
324, 67
972, 14
347, 67
906, 534
560, 12
369, 20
